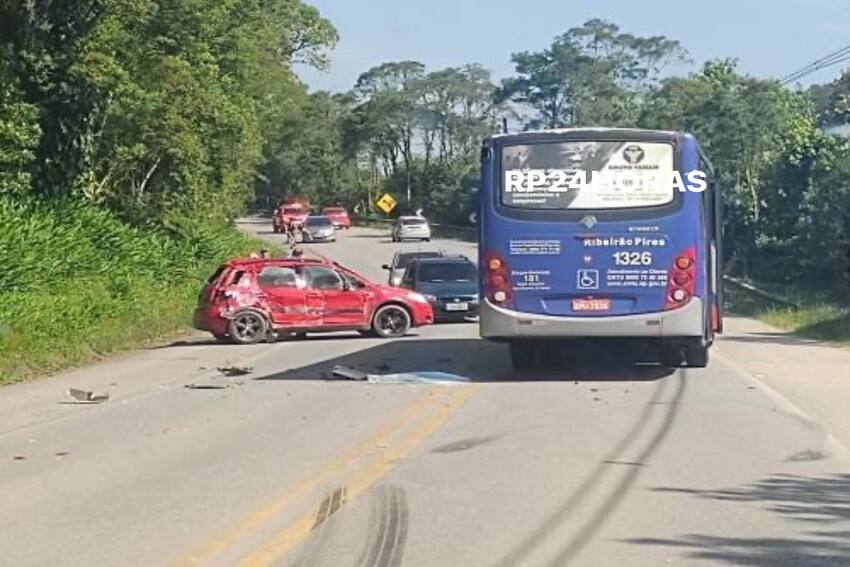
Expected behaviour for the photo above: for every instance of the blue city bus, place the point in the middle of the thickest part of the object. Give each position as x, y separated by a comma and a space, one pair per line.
633, 258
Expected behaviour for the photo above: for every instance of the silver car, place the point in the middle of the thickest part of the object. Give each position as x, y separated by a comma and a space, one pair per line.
319, 229
411, 228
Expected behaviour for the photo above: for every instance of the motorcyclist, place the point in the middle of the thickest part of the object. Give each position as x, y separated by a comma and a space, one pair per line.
290, 232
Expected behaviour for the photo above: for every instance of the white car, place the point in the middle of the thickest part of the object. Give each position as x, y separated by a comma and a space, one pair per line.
411, 228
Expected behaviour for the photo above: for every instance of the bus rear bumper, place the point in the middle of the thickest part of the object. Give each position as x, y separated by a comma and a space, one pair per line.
499, 323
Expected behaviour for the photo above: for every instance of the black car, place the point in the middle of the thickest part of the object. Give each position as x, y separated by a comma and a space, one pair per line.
402, 259
450, 283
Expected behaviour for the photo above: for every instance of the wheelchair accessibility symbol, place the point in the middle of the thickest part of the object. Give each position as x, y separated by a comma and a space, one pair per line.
587, 279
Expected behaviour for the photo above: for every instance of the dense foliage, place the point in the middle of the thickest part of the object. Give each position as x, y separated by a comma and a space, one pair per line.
131, 134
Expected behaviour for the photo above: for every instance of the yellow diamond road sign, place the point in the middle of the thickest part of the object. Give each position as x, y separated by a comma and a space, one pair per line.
386, 203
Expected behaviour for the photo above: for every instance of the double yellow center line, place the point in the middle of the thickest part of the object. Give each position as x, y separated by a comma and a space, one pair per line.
439, 402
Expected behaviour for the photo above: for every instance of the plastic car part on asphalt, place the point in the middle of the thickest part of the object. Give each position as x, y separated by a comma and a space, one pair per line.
420, 377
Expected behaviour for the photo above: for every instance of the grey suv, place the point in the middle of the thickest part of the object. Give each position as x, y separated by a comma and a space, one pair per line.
401, 260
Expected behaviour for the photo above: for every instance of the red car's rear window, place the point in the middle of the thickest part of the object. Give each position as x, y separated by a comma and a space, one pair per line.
212, 279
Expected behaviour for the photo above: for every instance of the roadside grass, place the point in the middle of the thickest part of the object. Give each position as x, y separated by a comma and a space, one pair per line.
81, 321
78, 284
817, 316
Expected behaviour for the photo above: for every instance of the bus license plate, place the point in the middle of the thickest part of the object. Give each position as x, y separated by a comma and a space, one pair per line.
457, 307
591, 304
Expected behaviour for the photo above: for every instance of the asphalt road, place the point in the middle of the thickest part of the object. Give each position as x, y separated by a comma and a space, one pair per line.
612, 460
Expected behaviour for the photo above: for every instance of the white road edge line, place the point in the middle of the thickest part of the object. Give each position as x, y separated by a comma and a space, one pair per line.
831, 443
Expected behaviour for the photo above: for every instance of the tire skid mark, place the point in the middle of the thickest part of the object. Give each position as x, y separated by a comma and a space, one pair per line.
274, 549
354, 454
602, 471
376, 540
386, 548
321, 532
598, 518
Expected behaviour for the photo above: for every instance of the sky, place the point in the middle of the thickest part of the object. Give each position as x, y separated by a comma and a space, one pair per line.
770, 38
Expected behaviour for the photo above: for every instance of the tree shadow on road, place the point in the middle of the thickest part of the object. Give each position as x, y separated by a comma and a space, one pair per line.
482, 361
821, 506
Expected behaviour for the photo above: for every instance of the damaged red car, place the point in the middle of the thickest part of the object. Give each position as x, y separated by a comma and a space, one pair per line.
251, 300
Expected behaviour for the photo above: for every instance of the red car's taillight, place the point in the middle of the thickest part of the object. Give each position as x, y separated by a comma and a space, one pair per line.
497, 279
681, 278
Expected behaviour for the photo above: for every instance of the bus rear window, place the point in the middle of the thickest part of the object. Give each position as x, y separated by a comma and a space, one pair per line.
587, 175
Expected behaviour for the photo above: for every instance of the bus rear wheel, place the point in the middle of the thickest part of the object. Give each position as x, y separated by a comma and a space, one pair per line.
696, 355
691, 354
524, 354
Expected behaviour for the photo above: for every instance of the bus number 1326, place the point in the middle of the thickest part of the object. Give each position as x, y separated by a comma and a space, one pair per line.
632, 258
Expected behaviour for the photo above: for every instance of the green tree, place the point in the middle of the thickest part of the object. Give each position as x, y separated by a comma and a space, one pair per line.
764, 142
159, 108
307, 157
592, 75
18, 133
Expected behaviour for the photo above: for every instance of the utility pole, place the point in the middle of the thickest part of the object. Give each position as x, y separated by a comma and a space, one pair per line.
409, 204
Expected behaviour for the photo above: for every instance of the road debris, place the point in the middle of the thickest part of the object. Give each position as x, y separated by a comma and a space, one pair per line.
206, 386
19, 458
86, 396
348, 373
422, 377
232, 370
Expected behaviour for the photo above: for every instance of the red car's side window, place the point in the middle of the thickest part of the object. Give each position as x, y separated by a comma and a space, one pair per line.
280, 277
323, 278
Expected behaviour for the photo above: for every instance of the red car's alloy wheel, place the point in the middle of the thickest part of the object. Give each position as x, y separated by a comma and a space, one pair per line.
391, 321
248, 327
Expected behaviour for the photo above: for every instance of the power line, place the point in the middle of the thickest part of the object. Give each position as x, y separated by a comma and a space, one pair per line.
809, 71
814, 65
837, 56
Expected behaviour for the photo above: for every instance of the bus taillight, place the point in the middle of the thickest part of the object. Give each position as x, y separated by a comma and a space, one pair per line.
680, 280
497, 281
